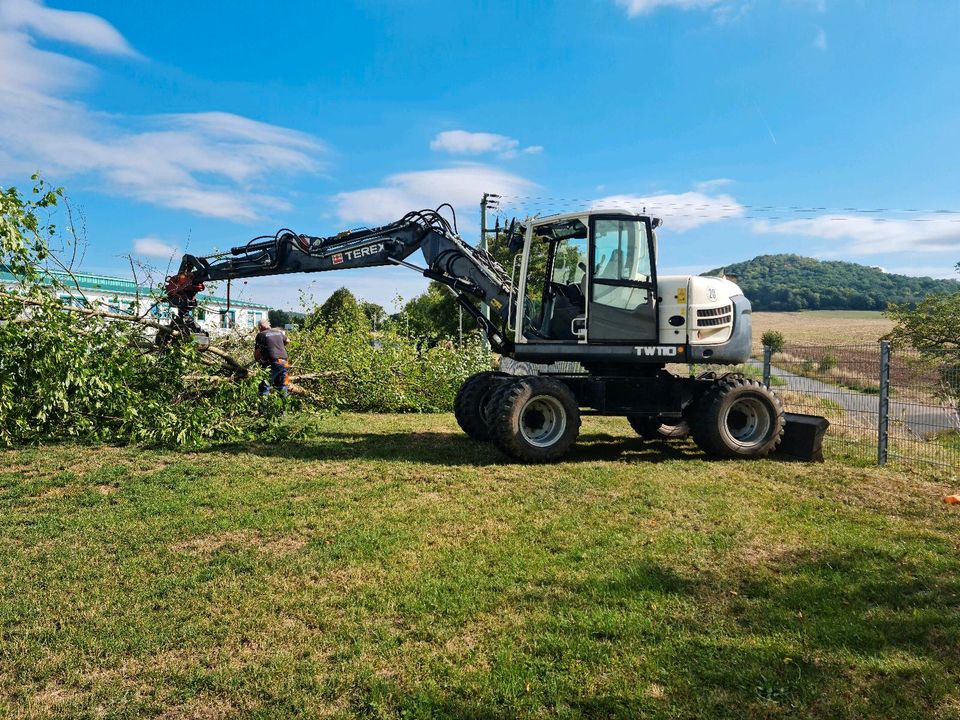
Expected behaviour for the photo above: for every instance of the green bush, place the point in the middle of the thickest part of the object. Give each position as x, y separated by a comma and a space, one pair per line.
383, 372
773, 339
67, 376
827, 363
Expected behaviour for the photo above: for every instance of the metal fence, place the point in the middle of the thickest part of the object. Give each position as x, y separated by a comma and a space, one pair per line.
884, 404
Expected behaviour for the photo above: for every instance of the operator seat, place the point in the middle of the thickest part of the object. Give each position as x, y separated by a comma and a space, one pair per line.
569, 302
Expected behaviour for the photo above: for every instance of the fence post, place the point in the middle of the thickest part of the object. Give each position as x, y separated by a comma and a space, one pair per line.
767, 354
883, 415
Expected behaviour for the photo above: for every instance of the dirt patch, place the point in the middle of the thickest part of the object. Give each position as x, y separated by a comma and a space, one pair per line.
205, 707
655, 691
209, 544
51, 698
55, 493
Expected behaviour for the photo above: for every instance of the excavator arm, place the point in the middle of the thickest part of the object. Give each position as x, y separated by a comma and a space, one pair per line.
468, 271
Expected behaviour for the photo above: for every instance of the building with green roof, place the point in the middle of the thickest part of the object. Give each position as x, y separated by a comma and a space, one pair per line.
125, 296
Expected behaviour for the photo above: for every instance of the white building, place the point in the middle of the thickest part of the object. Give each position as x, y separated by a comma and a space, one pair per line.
123, 296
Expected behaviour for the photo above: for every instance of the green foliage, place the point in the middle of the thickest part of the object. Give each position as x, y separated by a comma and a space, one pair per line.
827, 363
341, 308
792, 282
383, 372
67, 375
434, 314
933, 328
932, 325
773, 339
23, 234
281, 318
377, 317
70, 375
64, 375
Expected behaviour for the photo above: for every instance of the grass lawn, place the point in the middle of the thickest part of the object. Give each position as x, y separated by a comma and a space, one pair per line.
386, 566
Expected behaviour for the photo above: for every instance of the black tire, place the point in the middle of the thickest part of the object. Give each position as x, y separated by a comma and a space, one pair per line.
738, 418
653, 428
534, 419
469, 407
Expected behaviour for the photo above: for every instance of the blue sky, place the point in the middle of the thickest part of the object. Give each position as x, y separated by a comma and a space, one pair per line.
751, 127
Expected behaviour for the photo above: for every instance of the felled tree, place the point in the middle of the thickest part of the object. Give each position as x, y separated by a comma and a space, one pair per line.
84, 373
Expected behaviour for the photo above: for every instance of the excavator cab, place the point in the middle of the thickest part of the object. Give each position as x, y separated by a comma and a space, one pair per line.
587, 279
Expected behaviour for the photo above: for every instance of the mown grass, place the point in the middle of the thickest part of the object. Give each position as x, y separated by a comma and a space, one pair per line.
386, 566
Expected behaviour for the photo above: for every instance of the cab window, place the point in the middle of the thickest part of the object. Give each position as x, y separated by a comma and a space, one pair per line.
621, 251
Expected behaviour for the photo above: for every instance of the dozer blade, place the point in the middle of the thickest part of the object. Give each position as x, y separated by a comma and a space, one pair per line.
803, 437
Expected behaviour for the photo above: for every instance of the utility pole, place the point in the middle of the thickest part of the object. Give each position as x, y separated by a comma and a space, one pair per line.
488, 200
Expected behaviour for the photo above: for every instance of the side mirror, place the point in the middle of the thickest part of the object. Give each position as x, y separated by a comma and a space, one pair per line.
514, 239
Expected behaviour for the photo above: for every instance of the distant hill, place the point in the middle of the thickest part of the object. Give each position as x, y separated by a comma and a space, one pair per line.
793, 282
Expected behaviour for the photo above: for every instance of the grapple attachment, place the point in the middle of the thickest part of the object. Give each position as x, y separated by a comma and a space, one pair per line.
182, 289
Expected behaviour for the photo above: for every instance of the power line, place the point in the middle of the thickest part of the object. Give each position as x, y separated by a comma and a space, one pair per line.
546, 201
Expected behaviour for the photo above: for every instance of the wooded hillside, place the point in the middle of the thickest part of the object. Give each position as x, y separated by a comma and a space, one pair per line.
793, 282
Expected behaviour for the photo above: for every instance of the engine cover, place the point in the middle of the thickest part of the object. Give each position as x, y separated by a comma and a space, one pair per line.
705, 306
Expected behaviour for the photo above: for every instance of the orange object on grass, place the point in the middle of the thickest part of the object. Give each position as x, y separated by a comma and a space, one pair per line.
952, 499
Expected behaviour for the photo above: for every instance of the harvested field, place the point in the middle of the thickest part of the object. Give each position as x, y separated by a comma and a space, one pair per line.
822, 327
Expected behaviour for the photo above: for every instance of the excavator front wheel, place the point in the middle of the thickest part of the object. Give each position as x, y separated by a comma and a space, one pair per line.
533, 419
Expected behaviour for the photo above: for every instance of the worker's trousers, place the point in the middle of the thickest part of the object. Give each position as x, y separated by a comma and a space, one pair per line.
278, 377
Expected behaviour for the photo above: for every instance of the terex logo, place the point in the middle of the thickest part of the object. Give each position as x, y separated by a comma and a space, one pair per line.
658, 350
362, 252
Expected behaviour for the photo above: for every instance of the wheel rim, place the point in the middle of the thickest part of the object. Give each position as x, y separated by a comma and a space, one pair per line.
747, 422
543, 420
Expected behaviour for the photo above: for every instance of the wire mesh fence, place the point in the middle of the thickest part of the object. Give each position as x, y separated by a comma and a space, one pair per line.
884, 404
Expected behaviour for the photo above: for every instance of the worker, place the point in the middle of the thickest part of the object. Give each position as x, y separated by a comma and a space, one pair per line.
270, 350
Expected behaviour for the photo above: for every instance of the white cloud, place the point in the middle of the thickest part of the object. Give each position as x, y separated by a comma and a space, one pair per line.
461, 186
644, 7
944, 271
77, 28
820, 40
209, 163
870, 236
679, 211
152, 247
463, 142
705, 186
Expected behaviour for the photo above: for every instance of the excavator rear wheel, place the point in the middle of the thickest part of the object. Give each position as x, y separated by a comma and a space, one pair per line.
533, 419
470, 405
738, 418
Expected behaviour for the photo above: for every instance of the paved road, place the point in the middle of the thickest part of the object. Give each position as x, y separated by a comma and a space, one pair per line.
922, 420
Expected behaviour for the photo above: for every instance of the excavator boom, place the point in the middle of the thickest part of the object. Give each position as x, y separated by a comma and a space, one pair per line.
469, 272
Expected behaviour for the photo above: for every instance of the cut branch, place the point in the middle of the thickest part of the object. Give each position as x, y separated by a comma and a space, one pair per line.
241, 370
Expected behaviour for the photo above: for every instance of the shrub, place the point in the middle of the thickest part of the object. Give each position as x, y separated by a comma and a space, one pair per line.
773, 339
827, 363
384, 372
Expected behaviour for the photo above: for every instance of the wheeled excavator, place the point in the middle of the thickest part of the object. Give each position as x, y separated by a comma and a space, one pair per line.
582, 291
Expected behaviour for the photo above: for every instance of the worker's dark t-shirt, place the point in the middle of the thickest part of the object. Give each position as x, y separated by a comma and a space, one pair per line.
272, 344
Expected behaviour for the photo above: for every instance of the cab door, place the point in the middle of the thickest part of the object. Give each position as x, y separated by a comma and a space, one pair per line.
623, 284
